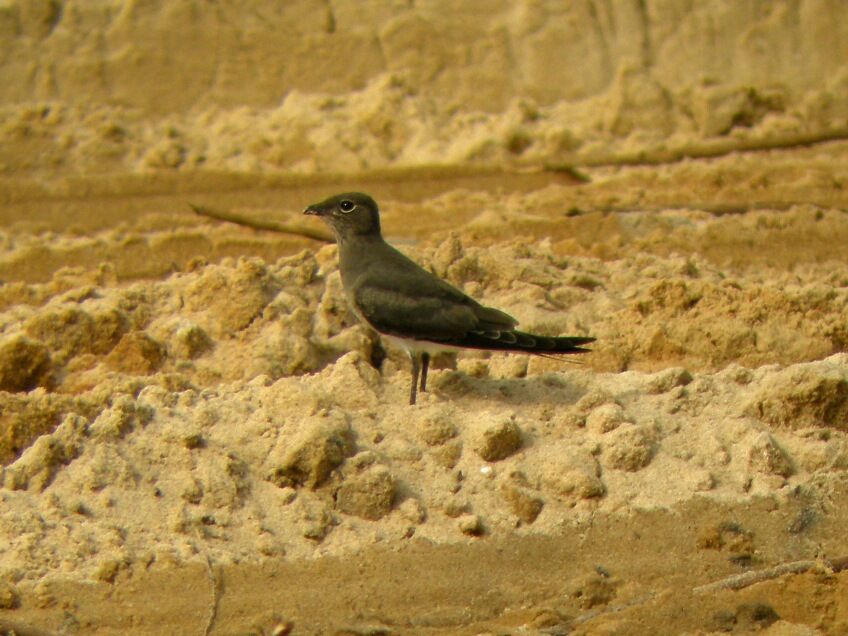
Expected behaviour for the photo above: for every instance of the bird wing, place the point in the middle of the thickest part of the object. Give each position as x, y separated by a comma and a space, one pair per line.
399, 298
402, 299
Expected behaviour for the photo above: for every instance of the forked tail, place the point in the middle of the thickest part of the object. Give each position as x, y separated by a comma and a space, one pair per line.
521, 342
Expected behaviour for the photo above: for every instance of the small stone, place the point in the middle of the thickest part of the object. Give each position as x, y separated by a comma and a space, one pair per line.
401, 449
39, 464
270, 546
282, 628
593, 399
190, 341
43, 595
765, 456
594, 590
369, 495
470, 525
569, 418
739, 374
193, 441
412, 511
702, 480
755, 616
136, 354
437, 430
317, 520
180, 521
10, 598
313, 452
316, 530
79, 508
669, 379
716, 110
192, 491
454, 507
108, 569
728, 536
547, 618
628, 448
287, 495
24, 364
605, 418
496, 440
448, 454
523, 502
361, 461
122, 417
571, 473
473, 367
70, 331
723, 621
804, 396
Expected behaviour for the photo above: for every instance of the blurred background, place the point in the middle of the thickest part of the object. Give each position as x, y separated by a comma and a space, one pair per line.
122, 86
116, 113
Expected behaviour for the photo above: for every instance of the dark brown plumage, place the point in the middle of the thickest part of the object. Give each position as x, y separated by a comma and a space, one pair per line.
397, 298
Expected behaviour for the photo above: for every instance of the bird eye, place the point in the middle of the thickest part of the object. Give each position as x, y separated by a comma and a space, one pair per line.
346, 206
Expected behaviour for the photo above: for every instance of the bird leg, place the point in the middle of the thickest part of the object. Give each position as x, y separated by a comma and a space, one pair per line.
416, 366
425, 364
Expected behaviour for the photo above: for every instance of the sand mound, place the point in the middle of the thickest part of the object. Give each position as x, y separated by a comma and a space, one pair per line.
274, 434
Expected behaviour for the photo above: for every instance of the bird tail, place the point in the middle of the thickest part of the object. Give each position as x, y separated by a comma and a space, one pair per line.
521, 342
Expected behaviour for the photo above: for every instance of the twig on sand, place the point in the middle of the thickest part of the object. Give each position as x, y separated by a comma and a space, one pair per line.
739, 581
260, 224
714, 147
716, 208
735, 582
216, 594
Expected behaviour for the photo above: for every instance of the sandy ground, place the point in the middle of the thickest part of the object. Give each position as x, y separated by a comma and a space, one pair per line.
225, 444
196, 436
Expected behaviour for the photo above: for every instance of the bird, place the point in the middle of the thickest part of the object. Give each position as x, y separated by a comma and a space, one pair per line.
412, 307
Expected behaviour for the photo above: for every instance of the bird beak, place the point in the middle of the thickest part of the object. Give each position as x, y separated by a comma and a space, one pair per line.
313, 210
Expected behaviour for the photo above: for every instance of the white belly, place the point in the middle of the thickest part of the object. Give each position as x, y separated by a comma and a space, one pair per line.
419, 346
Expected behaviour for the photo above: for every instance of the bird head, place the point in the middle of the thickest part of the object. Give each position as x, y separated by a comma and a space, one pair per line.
347, 214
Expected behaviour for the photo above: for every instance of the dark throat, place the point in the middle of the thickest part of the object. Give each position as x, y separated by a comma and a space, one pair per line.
356, 249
